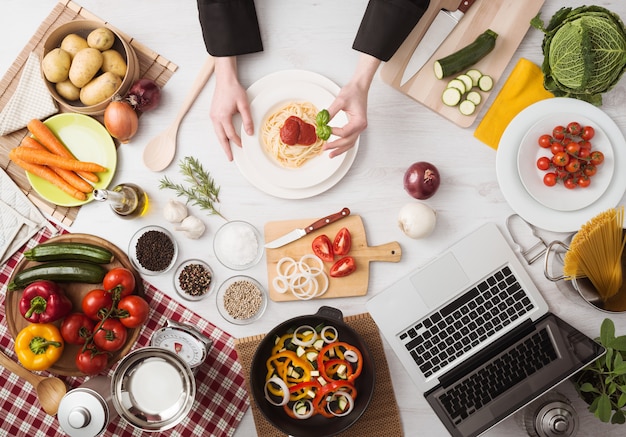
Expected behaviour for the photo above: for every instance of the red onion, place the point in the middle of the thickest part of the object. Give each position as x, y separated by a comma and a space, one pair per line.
421, 180
144, 95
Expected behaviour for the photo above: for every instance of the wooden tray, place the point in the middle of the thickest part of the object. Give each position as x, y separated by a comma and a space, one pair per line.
75, 291
355, 284
510, 19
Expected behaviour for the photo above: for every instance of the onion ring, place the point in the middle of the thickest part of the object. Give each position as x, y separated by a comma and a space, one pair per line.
283, 386
348, 397
350, 356
281, 284
328, 340
299, 342
309, 268
309, 412
293, 264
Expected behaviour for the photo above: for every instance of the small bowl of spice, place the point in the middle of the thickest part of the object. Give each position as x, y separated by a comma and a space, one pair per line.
237, 245
193, 279
153, 250
241, 300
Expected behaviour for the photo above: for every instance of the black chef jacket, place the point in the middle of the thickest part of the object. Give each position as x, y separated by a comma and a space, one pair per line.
230, 27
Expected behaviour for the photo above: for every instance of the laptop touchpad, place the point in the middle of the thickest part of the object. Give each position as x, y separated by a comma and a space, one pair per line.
439, 280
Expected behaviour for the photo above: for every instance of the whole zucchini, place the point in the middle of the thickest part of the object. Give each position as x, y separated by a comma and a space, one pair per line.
467, 56
69, 251
59, 271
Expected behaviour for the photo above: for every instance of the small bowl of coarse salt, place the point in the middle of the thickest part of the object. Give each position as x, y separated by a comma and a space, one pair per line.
237, 245
241, 300
194, 279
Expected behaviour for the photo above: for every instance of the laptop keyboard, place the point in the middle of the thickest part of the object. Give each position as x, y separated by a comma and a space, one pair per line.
502, 373
464, 323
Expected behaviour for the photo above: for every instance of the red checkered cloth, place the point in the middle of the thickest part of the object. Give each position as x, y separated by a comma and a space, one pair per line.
221, 397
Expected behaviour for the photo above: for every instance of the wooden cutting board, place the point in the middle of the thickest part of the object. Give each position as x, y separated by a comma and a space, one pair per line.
355, 284
510, 19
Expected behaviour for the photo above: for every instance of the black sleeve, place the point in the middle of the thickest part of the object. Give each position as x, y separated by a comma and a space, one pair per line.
229, 27
386, 24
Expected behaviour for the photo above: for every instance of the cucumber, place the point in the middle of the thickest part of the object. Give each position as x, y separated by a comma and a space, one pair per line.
467, 56
59, 271
69, 251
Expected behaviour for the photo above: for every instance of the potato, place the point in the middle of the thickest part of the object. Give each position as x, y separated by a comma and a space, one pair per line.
72, 43
113, 61
56, 65
101, 38
68, 90
85, 65
100, 89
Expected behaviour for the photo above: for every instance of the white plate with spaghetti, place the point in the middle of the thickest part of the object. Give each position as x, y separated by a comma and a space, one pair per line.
511, 184
559, 197
295, 166
260, 180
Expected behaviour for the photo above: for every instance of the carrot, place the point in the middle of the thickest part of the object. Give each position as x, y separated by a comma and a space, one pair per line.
49, 140
50, 176
69, 176
46, 158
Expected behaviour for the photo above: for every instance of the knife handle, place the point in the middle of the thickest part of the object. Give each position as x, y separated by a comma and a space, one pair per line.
465, 5
327, 220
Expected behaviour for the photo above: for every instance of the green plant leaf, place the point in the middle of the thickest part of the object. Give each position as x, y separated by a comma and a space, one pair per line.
587, 387
607, 332
604, 408
621, 401
620, 369
619, 343
608, 359
618, 418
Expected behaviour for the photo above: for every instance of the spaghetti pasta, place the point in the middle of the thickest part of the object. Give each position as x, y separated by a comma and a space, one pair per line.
289, 156
596, 253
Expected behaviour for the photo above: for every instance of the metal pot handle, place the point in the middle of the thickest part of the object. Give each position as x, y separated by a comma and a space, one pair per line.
546, 267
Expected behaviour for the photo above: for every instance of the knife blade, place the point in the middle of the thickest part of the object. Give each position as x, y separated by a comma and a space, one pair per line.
301, 232
437, 32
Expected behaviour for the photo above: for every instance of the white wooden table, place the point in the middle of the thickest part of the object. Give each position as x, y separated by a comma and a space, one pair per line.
317, 36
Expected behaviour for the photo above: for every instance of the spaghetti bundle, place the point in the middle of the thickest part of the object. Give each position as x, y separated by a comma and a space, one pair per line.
596, 253
289, 156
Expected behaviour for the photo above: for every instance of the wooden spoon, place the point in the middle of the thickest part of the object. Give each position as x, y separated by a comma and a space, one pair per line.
160, 151
50, 390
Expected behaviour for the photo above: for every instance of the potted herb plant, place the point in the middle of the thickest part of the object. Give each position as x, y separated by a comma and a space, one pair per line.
602, 384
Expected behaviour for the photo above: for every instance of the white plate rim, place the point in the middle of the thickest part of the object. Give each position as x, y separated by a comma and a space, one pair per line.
511, 185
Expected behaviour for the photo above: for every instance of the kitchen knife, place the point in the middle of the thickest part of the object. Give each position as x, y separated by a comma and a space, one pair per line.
439, 29
301, 232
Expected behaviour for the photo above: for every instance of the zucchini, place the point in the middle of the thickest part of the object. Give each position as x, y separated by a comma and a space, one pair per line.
475, 75
467, 107
467, 80
485, 83
467, 56
69, 251
458, 84
474, 97
59, 271
451, 96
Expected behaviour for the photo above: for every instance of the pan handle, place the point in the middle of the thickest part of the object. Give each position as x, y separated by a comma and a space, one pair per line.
330, 313
547, 271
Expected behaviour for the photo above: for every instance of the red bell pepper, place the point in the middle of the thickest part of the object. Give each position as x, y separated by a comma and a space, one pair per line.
44, 302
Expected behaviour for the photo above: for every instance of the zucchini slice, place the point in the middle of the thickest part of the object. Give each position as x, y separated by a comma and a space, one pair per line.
458, 84
467, 80
467, 107
475, 75
451, 96
474, 97
485, 83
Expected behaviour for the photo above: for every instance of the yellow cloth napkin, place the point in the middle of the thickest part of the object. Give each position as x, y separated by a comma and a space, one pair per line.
523, 88
31, 99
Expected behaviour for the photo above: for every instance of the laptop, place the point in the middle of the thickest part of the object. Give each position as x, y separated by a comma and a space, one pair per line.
475, 334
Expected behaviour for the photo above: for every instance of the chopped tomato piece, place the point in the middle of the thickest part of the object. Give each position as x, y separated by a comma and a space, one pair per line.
342, 242
323, 248
344, 267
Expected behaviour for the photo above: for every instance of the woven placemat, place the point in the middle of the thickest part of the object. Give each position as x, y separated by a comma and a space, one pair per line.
382, 416
151, 65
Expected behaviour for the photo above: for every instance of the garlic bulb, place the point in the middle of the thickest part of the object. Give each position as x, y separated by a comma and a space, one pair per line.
192, 227
175, 211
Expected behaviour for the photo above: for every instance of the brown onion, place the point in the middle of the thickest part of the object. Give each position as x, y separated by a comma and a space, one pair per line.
121, 120
144, 95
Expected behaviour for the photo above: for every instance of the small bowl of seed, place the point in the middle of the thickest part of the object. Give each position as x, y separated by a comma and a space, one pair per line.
153, 250
241, 300
193, 279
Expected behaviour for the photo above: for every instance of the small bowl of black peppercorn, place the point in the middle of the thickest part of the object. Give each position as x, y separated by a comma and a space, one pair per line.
153, 250
193, 279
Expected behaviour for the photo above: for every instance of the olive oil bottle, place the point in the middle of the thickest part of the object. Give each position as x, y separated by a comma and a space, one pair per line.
127, 200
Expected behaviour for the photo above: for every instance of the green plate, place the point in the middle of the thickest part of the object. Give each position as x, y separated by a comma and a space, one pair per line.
89, 141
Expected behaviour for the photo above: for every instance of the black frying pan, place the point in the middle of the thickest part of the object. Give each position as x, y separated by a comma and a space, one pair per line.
316, 426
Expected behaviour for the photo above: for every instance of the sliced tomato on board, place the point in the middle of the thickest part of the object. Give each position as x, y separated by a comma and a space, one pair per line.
323, 248
343, 267
342, 242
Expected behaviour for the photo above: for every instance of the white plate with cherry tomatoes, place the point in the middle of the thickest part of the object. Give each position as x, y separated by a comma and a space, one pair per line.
510, 181
579, 179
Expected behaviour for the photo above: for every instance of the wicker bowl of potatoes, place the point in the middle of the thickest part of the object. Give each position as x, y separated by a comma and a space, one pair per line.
85, 63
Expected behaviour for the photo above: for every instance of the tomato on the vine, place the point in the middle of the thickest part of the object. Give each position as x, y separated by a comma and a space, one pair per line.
119, 277
574, 128
583, 181
545, 141
556, 147
544, 163
559, 132
560, 159
573, 148
91, 361
596, 157
584, 153
588, 133
549, 179
97, 303
110, 335
133, 311
570, 183
76, 328
590, 170
573, 165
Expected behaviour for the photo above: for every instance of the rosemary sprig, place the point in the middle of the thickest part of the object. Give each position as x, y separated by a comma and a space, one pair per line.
202, 190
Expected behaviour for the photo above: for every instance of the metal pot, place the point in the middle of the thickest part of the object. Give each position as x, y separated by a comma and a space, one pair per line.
316, 426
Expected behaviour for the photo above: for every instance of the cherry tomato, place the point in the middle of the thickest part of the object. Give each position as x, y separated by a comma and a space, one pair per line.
570, 183
323, 248
97, 303
545, 141
342, 242
133, 311
572, 166
573, 148
561, 173
585, 145
343, 267
597, 157
584, 152
121, 279
574, 128
559, 132
549, 179
110, 335
583, 181
560, 159
91, 361
590, 170
544, 163
556, 147
588, 133
76, 328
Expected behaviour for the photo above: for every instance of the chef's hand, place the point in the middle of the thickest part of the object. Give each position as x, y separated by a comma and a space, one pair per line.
352, 99
229, 99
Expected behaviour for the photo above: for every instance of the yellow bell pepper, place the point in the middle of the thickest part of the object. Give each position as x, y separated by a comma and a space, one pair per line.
38, 346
